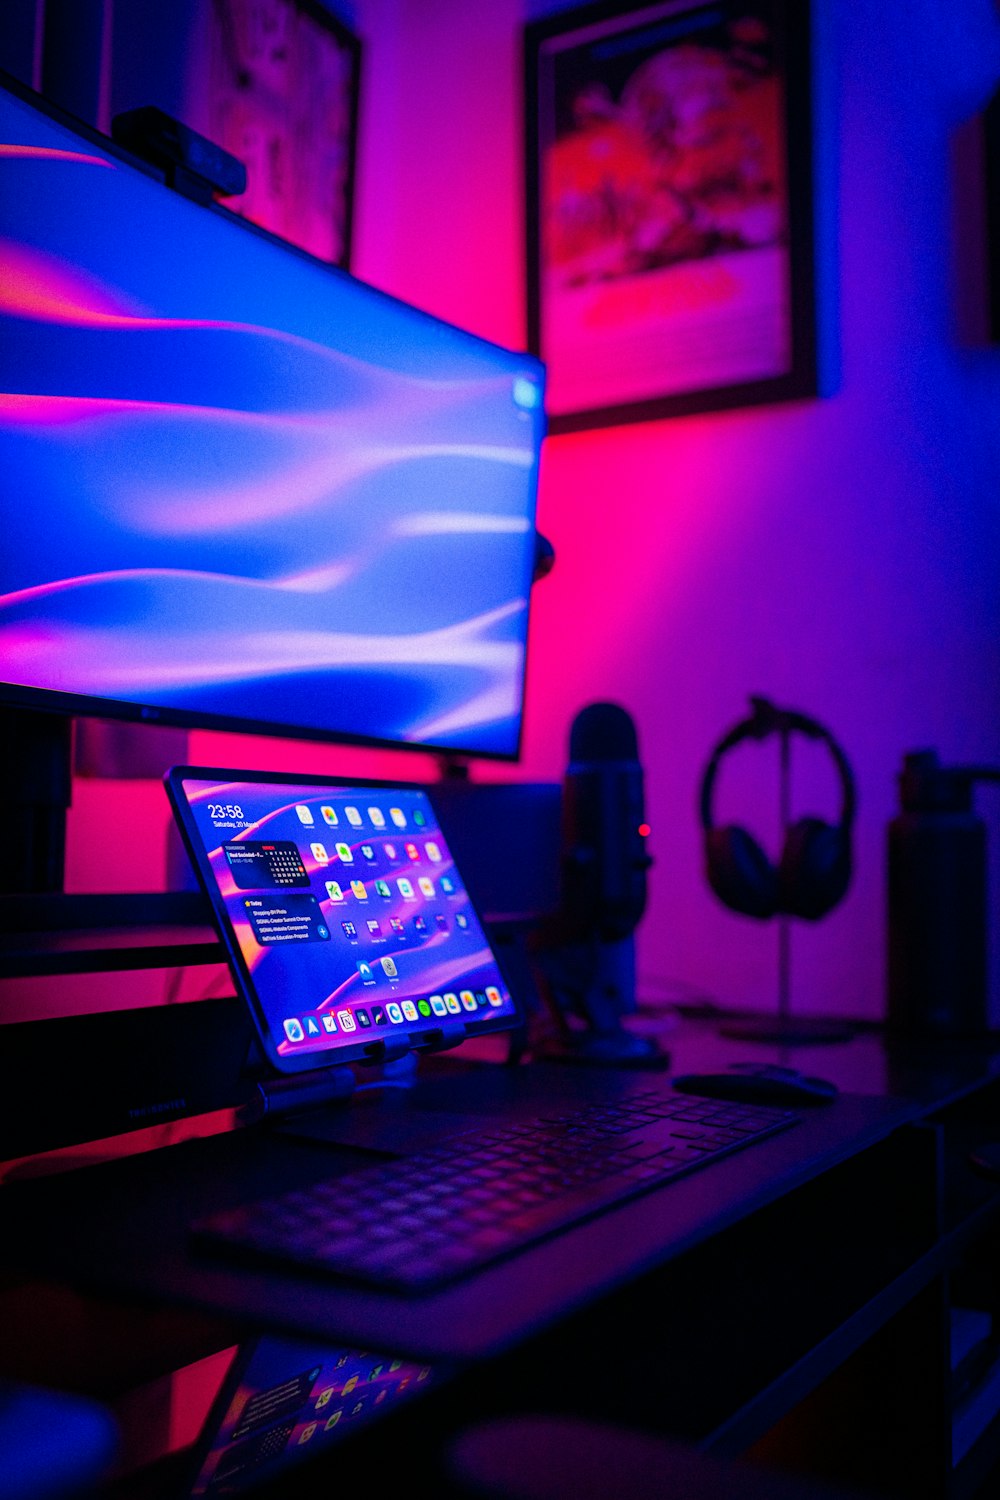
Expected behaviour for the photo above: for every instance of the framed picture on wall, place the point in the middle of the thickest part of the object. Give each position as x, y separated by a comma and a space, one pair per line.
669, 207
283, 83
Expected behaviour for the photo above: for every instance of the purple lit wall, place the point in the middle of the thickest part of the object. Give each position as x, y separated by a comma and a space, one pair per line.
840, 555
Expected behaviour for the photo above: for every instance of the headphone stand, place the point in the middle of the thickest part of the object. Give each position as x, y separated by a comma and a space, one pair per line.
810, 878
784, 1029
807, 1031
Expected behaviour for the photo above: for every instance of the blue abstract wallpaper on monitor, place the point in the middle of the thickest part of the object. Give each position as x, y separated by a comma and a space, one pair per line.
241, 486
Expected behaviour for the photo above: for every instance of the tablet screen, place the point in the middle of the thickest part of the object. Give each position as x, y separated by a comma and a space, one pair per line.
283, 1401
347, 923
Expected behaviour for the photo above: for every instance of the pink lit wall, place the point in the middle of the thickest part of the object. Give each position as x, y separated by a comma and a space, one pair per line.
840, 555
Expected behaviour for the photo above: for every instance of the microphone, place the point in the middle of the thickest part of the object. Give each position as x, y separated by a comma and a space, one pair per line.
587, 956
604, 829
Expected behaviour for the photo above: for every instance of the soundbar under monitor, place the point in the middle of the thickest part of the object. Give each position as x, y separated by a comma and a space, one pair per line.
243, 489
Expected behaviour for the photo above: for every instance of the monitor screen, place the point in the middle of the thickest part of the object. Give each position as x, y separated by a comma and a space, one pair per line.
243, 489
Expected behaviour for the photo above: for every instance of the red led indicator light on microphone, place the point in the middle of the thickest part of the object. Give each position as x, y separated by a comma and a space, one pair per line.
644, 830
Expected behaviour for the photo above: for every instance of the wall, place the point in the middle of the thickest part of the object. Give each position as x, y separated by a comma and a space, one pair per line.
840, 555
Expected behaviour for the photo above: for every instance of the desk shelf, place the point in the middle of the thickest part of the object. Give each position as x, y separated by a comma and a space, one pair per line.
813, 1332
94, 934
894, 1419
815, 1335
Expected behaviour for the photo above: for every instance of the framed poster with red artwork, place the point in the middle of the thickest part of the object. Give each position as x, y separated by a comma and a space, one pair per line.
283, 80
669, 212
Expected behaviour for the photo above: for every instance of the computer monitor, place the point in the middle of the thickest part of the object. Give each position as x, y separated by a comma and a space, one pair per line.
243, 489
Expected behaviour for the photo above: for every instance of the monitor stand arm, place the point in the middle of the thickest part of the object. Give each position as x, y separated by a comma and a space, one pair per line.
36, 761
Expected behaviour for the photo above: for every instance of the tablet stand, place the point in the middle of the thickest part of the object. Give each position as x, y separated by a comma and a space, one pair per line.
274, 1096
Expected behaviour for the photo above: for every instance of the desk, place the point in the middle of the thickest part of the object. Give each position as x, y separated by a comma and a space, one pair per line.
793, 1303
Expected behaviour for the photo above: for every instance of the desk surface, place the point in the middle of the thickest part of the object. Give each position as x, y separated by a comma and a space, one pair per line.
117, 1232
123, 1227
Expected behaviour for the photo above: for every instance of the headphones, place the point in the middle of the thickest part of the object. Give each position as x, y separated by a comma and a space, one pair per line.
815, 866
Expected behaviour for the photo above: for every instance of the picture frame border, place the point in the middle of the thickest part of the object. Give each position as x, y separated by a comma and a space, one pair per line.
801, 379
333, 23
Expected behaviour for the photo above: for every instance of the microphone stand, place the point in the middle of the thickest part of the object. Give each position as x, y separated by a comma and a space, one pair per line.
594, 981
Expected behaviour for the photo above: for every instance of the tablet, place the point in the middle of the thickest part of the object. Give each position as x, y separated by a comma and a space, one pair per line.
348, 927
283, 1400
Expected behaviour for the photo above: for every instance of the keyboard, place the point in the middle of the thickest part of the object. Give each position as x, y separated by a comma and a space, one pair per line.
416, 1223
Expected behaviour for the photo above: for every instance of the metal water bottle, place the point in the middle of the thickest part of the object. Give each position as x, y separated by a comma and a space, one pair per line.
937, 902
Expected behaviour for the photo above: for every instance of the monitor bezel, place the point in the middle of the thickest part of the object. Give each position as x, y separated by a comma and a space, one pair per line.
77, 705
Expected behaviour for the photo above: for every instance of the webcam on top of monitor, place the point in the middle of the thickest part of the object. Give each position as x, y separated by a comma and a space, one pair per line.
190, 162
